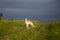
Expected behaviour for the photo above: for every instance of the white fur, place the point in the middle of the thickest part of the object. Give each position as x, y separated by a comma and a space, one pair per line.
28, 22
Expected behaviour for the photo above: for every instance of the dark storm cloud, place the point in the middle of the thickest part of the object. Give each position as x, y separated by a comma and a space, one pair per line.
23, 3
38, 8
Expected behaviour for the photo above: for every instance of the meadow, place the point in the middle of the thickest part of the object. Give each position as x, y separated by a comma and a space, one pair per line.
16, 30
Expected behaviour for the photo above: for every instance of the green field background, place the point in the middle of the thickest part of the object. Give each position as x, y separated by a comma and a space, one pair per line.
16, 30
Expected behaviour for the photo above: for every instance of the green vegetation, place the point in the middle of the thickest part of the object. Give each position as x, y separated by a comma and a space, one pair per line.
16, 30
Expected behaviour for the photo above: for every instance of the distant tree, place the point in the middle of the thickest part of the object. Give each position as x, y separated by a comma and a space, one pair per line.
1, 14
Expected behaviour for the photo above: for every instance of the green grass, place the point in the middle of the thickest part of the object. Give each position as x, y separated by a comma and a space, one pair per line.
16, 30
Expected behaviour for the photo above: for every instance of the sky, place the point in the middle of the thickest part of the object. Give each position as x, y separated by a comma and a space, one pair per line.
45, 10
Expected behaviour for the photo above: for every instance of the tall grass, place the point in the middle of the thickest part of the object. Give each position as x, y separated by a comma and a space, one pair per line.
16, 30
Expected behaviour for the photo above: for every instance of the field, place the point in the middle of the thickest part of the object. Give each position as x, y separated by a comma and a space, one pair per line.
16, 30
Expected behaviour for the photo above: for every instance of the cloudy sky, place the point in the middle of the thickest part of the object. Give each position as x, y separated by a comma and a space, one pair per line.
45, 10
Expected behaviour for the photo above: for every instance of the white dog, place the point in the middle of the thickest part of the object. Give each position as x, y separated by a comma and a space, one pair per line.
28, 22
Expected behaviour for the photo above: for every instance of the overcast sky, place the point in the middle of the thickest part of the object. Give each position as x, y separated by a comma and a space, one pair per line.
37, 8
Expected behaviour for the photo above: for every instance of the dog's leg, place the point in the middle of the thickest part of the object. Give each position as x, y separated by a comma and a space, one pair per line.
32, 25
27, 25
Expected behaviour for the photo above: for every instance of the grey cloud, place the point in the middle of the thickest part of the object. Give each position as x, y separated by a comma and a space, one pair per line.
39, 9
16, 9
22, 3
